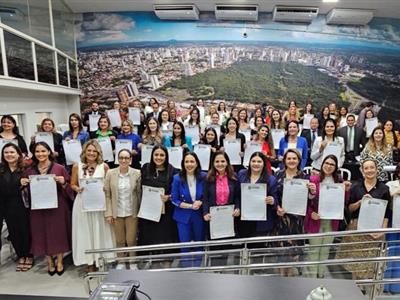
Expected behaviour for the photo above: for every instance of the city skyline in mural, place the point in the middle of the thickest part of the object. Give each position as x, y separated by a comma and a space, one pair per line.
137, 55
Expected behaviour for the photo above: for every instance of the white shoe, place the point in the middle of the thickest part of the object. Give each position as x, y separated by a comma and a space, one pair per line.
120, 266
133, 266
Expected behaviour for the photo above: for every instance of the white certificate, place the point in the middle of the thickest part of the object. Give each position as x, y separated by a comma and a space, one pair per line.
233, 149
72, 150
307, 120
277, 135
93, 197
217, 130
253, 206
151, 205
370, 125
146, 154
333, 148
372, 213
203, 153
93, 122
4, 142
166, 132
295, 196
43, 190
221, 222
249, 150
115, 117
106, 148
247, 134
202, 113
175, 155
194, 132
46, 137
122, 144
134, 115
396, 212
331, 201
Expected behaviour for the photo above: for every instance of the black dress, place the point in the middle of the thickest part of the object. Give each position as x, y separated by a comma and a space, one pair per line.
165, 231
13, 210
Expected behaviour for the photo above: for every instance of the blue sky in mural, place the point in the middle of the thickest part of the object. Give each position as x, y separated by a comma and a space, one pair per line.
111, 28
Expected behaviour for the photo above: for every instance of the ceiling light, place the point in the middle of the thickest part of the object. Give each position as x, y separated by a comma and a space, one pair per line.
330, 1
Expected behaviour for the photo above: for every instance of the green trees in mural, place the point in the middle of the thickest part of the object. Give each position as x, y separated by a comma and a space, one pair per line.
251, 81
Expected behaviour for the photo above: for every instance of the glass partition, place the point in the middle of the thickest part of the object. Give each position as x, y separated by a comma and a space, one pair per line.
73, 78
45, 65
28, 16
62, 70
63, 20
19, 57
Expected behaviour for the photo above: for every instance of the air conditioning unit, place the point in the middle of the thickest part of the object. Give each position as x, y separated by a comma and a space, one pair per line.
345, 16
176, 12
236, 12
299, 14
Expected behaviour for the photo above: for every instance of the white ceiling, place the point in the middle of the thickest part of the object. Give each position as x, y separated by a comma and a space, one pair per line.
383, 8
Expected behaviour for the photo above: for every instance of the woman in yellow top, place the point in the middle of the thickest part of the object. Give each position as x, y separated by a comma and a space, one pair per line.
392, 137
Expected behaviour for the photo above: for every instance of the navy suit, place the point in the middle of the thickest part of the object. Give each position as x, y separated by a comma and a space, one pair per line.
189, 222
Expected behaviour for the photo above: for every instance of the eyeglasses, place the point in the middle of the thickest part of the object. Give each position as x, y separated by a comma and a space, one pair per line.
124, 158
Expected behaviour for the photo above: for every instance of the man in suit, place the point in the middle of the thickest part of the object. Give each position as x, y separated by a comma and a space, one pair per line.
94, 110
311, 135
156, 111
354, 138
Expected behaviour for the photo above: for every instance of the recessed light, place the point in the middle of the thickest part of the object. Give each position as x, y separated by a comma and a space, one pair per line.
331, 1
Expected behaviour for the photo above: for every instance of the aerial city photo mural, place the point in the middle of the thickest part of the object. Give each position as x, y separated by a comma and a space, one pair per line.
138, 55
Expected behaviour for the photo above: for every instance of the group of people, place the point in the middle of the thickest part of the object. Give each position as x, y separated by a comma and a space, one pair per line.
323, 142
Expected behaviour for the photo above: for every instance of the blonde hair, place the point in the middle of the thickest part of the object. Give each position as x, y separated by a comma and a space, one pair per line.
96, 145
129, 123
373, 147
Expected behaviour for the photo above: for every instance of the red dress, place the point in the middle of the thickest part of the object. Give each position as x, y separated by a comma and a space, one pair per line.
267, 151
51, 228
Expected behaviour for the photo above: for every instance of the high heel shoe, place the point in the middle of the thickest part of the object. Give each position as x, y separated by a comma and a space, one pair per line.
51, 273
59, 273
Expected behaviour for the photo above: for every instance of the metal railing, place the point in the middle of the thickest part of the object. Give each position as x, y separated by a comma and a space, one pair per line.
245, 256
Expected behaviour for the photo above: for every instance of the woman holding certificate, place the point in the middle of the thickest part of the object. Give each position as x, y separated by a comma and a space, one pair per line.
76, 131
232, 133
369, 188
152, 135
9, 131
158, 174
257, 176
325, 209
211, 138
128, 134
122, 189
187, 196
378, 150
267, 146
289, 223
178, 138
293, 141
12, 207
89, 227
47, 126
327, 143
50, 222
221, 190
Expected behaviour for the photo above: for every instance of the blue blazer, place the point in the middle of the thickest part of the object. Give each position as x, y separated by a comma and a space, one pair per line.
168, 142
301, 144
180, 193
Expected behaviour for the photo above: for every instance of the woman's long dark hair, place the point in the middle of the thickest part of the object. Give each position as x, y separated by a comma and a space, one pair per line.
335, 174
159, 115
264, 173
78, 117
395, 141
212, 173
15, 130
44, 144
214, 143
183, 134
190, 116
20, 162
197, 171
236, 122
152, 165
323, 128
287, 129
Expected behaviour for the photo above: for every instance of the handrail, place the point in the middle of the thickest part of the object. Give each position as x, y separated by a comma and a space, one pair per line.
240, 241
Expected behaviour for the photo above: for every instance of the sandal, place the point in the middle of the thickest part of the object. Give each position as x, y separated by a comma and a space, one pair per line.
28, 264
21, 264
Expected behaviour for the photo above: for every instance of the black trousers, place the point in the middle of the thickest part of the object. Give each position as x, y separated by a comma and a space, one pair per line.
18, 225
